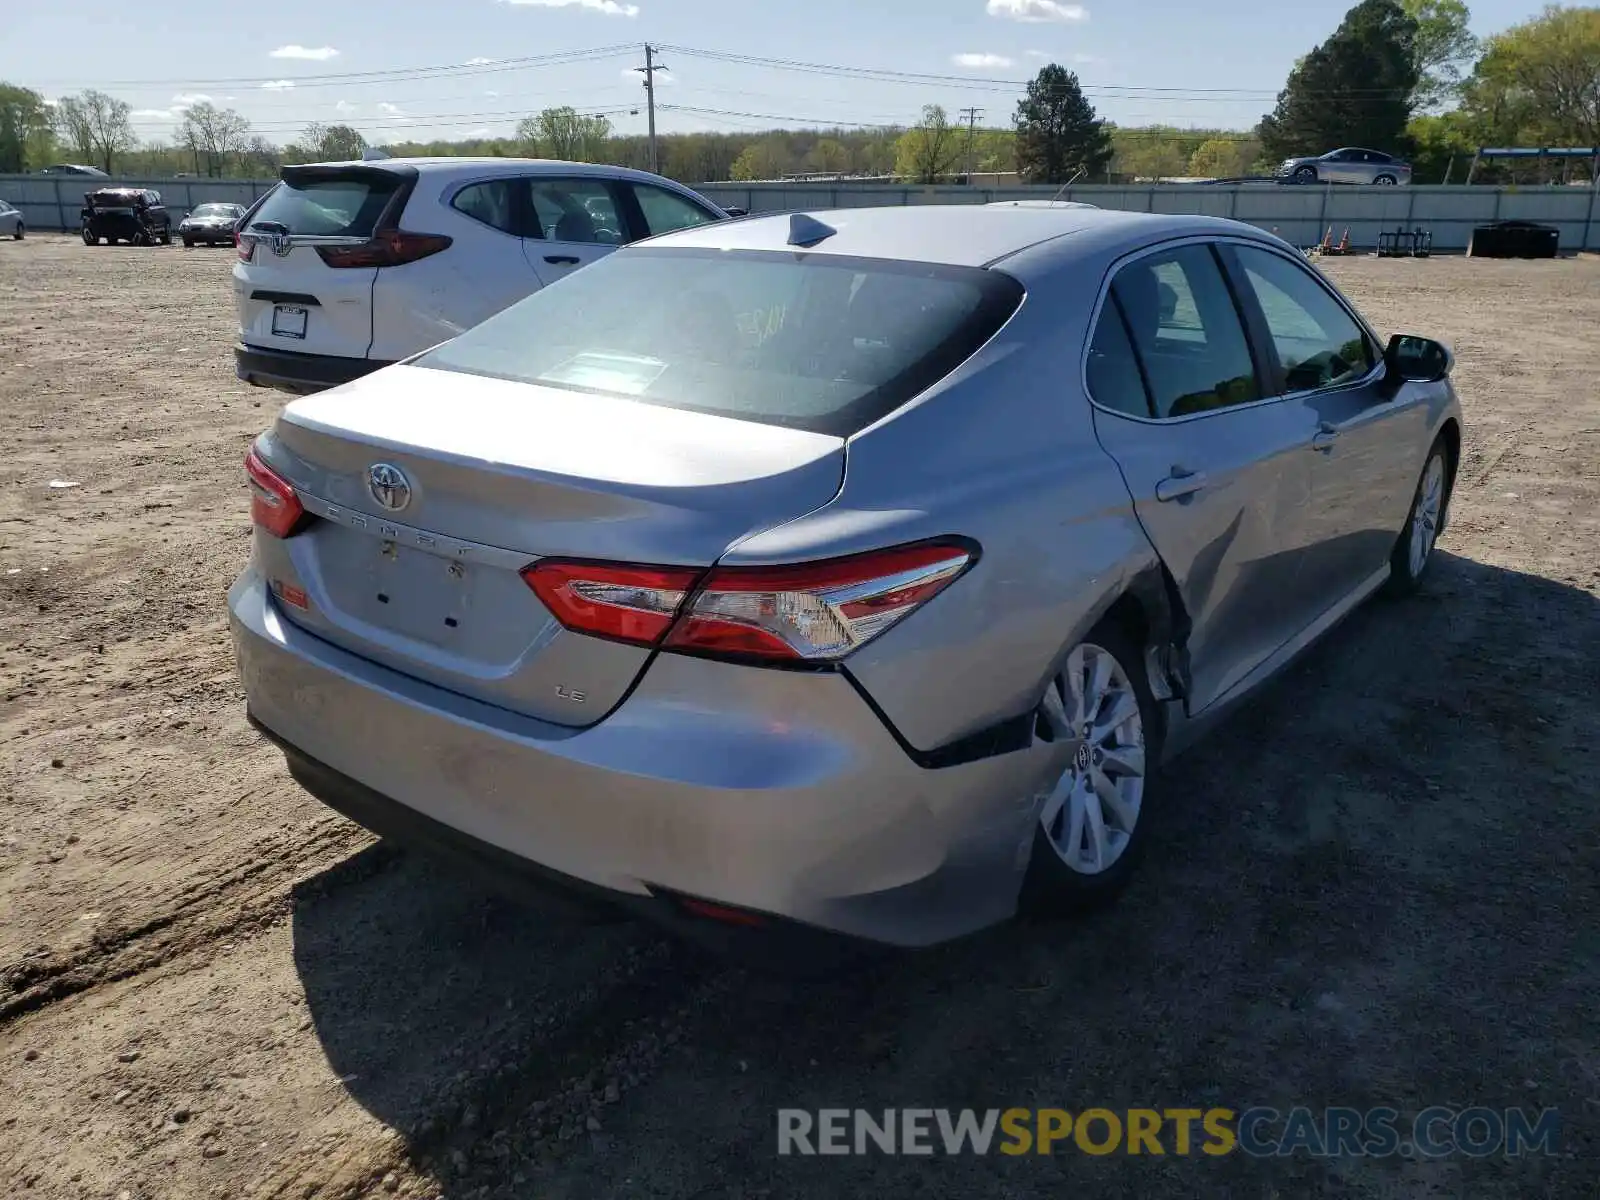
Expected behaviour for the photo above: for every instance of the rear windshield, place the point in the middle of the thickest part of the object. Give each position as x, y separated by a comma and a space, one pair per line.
335, 204
816, 342
216, 210
116, 199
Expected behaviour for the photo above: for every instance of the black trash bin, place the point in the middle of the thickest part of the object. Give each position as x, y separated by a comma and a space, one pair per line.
1514, 239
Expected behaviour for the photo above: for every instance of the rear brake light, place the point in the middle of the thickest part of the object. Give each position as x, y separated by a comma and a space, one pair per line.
274, 506
816, 612
390, 248
245, 245
611, 600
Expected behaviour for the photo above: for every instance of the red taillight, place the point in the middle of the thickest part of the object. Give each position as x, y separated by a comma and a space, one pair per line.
815, 612
612, 600
273, 505
245, 246
391, 248
810, 612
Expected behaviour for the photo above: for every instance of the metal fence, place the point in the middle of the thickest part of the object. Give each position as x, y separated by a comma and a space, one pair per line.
1301, 214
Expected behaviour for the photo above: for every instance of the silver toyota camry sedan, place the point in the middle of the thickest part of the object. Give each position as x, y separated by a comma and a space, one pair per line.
845, 573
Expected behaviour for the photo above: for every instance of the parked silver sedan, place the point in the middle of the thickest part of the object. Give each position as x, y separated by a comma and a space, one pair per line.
11, 224
845, 573
1349, 165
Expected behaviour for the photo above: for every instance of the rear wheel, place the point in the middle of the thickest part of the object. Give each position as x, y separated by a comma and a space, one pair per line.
89, 238
188, 243
1386, 180
166, 237
1305, 174
1413, 549
140, 238
17, 234
1095, 810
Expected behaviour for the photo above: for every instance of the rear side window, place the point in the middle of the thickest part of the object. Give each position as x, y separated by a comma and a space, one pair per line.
335, 203
1184, 325
1114, 378
818, 342
495, 202
1318, 343
666, 211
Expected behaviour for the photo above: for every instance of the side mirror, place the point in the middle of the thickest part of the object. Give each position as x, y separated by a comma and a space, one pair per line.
1413, 359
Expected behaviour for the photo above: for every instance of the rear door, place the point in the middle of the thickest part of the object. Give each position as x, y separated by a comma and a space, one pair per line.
1219, 480
577, 220
286, 295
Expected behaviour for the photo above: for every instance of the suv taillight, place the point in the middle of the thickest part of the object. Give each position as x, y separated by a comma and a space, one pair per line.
274, 506
806, 613
391, 248
245, 245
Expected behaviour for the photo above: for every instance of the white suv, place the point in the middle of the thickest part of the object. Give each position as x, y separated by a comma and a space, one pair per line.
347, 267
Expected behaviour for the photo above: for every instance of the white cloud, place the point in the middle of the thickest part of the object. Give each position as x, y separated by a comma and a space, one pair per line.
390, 110
492, 95
609, 7
1036, 54
975, 61
480, 132
663, 76
157, 114
185, 99
308, 53
1086, 60
344, 108
279, 85
481, 62
1036, 11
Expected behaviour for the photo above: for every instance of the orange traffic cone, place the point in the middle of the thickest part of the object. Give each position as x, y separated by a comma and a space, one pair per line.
1344, 242
1327, 241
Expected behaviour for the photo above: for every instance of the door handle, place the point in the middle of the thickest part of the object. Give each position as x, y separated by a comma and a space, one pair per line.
1180, 484
562, 260
1324, 438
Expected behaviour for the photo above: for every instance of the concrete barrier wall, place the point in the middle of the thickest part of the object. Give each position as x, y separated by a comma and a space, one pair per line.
1300, 214
53, 201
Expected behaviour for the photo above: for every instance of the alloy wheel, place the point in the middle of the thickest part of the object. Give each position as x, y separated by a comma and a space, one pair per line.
1090, 812
1425, 521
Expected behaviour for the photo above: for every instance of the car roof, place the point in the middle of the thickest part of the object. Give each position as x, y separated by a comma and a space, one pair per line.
967, 235
448, 166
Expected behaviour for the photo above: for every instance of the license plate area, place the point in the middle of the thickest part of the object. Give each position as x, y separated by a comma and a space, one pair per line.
290, 320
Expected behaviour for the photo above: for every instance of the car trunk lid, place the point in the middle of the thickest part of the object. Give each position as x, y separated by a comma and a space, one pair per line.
287, 297
436, 488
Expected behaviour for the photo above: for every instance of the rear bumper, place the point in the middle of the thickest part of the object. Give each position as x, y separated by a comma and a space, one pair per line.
300, 373
775, 792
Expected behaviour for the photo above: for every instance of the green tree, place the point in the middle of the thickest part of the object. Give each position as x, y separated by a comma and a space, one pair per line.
1538, 83
1222, 158
214, 134
770, 158
1443, 145
565, 133
24, 128
330, 143
929, 151
1353, 90
1443, 45
829, 155
1058, 134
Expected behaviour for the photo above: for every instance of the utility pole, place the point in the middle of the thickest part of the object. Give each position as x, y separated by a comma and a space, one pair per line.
972, 115
649, 72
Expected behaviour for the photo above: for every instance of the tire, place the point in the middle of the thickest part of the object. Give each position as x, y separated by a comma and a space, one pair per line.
1413, 549
1305, 174
1386, 180
89, 239
18, 233
166, 237
188, 243
1052, 885
140, 238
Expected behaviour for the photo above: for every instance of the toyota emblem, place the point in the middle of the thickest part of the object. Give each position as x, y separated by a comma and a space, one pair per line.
389, 486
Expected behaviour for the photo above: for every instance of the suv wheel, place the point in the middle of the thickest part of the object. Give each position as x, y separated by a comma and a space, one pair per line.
1092, 819
89, 238
140, 238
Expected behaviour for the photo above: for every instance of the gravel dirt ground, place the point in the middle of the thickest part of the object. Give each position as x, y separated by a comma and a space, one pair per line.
1375, 886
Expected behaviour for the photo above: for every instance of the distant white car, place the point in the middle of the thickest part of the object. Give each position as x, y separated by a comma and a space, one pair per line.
347, 267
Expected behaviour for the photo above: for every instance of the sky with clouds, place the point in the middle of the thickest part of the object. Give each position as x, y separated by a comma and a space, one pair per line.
296, 61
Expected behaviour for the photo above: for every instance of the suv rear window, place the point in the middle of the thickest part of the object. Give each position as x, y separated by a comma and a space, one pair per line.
816, 342
334, 203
